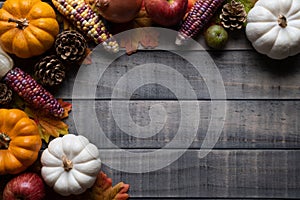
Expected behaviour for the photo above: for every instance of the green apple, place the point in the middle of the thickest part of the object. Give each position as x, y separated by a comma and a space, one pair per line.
216, 36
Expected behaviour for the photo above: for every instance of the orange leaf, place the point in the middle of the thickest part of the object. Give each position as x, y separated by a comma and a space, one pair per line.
148, 38
130, 41
103, 190
67, 107
50, 126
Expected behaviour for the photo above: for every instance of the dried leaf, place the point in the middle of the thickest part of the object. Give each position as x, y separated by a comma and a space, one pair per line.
130, 41
67, 108
148, 38
50, 126
103, 190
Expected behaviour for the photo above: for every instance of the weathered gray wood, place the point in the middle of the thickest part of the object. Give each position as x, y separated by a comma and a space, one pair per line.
221, 174
246, 75
248, 124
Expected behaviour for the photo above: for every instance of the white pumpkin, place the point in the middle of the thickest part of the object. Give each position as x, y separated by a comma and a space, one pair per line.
273, 27
6, 63
70, 164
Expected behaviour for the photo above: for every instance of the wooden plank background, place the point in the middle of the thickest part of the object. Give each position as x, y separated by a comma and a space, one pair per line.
248, 124
257, 155
246, 75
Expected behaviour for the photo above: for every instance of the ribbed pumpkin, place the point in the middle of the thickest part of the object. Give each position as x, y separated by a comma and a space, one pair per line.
27, 27
20, 141
273, 28
70, 164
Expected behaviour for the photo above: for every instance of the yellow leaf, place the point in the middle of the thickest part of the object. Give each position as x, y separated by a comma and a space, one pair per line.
50, 126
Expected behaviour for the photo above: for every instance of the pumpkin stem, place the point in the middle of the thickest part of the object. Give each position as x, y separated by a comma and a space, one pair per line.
21, 23
282, 21
68, 165
4, 141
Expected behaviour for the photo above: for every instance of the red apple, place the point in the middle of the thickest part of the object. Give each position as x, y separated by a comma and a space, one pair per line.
166, 12
27, 186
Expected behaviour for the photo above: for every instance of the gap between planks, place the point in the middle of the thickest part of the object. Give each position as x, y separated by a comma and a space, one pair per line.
247, 124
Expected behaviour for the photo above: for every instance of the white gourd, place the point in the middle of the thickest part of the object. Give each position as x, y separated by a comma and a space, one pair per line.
70, 164
273, 27
6, 63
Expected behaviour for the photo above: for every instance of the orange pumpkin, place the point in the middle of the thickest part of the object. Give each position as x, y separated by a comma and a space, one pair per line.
20, 141
27, 27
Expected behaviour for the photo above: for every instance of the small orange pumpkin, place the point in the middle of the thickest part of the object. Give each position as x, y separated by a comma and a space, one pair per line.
27, 27
20, 141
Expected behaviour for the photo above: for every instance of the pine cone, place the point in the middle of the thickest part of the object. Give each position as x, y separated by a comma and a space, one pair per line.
5, 95
70, 46
50, 71
233, 15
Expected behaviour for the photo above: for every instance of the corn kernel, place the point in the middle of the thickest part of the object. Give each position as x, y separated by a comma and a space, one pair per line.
33, 93
85, 19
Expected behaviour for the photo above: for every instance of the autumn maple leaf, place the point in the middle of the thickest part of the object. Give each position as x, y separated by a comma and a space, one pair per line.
103, 189
50, 126
146, 37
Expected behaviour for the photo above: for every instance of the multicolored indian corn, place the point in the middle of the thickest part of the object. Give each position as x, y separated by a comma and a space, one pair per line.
86, 20
32, 92
197, 18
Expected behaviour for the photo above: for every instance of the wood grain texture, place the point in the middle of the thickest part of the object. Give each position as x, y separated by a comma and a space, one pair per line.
221, 174
248, 124
246, 75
